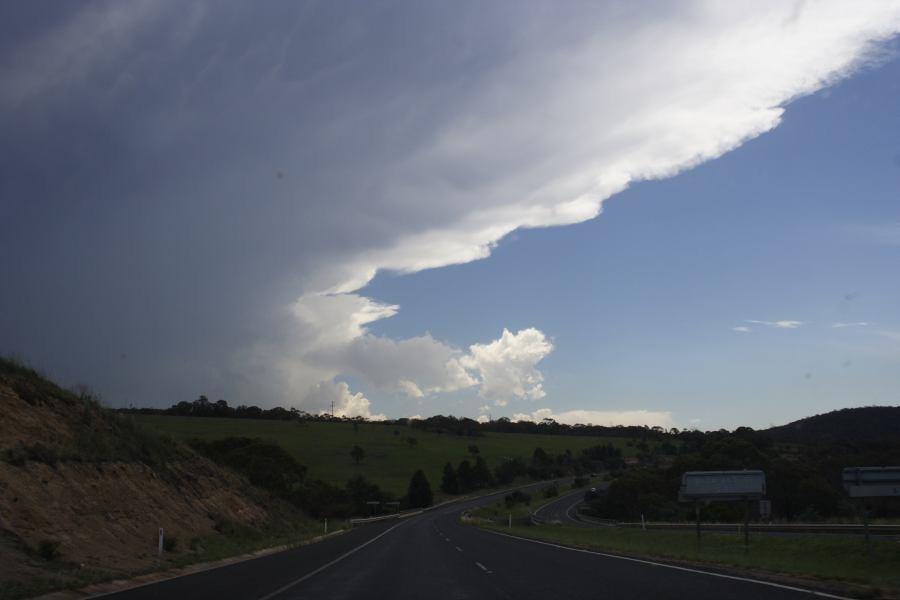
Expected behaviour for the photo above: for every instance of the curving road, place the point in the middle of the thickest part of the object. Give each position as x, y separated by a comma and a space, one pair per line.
562, 510
435, 556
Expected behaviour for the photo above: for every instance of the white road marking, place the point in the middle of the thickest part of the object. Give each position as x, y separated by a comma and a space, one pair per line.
483, 568
677, 568
325, 566
458, 549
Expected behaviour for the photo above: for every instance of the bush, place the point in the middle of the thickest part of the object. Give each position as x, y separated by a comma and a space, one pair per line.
265, 464
48, 549
517, 497
16, 455
449, 481
419, 494
551, 491
169, 543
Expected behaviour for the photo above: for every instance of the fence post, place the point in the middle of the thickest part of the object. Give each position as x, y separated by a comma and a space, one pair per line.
697, 514
162, 535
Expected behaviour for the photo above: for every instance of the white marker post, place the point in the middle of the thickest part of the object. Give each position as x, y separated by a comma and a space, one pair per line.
643, 524
162, 536
326, 525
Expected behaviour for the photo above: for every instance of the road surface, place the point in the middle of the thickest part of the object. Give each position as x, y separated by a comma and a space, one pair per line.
562, 510
435, 556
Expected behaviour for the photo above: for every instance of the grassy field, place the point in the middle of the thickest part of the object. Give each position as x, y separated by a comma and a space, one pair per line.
390, 459
836, 559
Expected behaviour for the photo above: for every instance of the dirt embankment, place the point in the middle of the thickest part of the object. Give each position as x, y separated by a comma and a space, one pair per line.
83, 491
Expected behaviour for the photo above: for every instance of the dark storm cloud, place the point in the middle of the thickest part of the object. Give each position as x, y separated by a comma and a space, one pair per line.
173, 177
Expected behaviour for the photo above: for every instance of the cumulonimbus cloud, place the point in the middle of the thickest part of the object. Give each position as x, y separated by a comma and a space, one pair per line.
261, 166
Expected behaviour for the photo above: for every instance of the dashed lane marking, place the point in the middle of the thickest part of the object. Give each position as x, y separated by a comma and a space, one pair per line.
325, 566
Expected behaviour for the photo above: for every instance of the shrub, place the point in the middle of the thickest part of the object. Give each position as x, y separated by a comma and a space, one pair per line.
419, 493
517, 497
449, 481
48, 549
169, 543
265, 464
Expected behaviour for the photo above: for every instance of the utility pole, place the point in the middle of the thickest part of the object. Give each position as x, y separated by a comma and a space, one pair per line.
332, 409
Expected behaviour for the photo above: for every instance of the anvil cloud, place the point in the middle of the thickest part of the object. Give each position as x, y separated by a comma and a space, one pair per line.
196, 197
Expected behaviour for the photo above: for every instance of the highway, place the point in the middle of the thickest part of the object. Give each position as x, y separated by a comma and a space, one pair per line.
435, 556
562, 510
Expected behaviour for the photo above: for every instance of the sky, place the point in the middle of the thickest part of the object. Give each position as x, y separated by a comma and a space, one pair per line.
683, 214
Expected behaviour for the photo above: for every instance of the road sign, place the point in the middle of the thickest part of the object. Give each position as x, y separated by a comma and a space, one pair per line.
765, 508
871, 482
722, 485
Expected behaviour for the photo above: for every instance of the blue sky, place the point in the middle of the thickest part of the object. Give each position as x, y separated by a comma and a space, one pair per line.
641, 302
678, 213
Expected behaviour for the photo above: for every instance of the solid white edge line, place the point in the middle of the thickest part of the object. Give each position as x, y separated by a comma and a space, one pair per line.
677, 568
482, 567
459, 549
325, 566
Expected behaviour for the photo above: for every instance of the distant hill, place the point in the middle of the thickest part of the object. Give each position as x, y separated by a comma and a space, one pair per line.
878, 424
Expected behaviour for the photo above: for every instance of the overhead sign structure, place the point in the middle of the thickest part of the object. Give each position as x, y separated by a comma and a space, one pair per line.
872, 482
722, 485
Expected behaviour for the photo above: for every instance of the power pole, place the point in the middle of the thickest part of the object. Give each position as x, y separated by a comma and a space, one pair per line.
332, 409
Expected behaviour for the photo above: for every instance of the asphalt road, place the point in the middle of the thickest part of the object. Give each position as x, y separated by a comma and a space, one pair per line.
434, 556
562, 510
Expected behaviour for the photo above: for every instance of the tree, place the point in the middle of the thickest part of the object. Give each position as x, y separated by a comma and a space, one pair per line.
357, 453
419, 494
449, 482
481, 475
465, 476
473, 449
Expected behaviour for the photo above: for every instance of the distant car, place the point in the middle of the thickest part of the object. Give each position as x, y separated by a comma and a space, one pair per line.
591, 494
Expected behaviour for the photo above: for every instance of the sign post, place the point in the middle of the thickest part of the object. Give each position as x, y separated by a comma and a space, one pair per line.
162, 536
722, 486
697, 514
871, 482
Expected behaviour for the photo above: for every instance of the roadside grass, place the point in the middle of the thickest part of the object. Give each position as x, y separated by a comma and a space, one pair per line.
835, 559
499, 513
236, 541
390, 459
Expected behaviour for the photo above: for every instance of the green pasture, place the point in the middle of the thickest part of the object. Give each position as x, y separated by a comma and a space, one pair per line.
390, 459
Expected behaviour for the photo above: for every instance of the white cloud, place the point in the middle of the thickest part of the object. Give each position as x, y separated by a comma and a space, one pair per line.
600, 417
417, 366
741, 329
843, 325
507, 366
346, 403
785, 324
531, 119
483, 419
